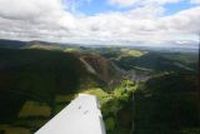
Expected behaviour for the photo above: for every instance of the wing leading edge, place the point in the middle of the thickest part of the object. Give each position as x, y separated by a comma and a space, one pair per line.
81, 116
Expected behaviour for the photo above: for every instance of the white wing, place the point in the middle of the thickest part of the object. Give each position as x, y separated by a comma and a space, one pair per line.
81, 116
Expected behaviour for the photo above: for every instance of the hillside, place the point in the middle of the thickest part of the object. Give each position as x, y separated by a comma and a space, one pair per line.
36, 77
171, 102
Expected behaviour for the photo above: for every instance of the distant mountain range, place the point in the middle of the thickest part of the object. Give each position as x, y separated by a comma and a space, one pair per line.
169, 47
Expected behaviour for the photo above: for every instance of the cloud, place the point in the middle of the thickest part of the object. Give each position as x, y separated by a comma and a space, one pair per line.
128, 3
30, 9
122, 3
25, 17
183, 22
52, 20
195, 1
73, 5
145, 24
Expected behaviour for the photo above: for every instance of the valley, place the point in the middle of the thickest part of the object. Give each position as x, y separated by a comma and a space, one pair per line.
141, 91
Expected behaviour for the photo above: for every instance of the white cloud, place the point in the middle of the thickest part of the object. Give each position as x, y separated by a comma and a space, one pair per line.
29, 8
127, 3
183, 22
123, 3
161, 2
48, 20
195, 1
30, 16
73, 5
145, 24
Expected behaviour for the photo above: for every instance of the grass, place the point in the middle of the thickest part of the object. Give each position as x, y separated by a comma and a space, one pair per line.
131, 53
191, 131
71, 49
35, 109
102, 96
45, 47
31, 123
14, 130
64, 98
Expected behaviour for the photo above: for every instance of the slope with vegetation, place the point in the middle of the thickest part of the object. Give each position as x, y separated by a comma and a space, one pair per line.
114, 103
35, 84
139, 91
167, 104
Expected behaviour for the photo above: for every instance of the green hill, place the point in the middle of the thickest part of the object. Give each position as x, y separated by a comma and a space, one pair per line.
168, 105
39, 75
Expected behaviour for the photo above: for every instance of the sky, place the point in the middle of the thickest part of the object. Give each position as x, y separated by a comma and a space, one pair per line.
102, 22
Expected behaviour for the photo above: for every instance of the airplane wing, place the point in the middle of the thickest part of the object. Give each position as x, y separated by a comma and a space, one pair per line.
81, 116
